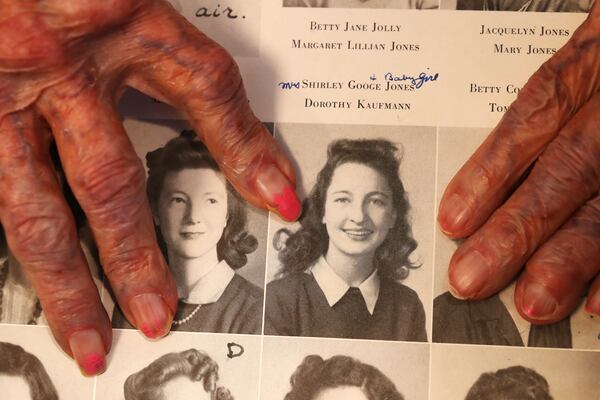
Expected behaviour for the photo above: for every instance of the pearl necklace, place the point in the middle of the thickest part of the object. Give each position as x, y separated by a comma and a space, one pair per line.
182, 321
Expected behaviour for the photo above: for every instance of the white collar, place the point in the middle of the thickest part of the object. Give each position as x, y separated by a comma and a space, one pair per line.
211, 286
335, 287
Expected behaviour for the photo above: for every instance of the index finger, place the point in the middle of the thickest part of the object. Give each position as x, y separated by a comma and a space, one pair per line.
548, 100
171, 58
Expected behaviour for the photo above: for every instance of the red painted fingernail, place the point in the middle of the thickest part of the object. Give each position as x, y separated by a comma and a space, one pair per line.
89, 352
454, 214
469, 275
278, 192
538, 302
592, 304
152, 315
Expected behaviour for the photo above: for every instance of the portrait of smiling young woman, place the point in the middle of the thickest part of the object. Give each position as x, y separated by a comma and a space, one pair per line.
341, 272
202, 228
358, 214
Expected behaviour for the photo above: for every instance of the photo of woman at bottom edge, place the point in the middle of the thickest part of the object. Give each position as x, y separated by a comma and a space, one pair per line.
21, 373
341, 270
516, 382
190, 374
340, 377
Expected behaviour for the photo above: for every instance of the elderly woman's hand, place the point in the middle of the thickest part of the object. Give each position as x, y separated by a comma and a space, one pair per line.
530, 194
63, 65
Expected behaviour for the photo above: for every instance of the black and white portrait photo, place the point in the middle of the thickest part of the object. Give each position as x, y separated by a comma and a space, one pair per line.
340, 272
204, 230
181, 366
329, 369
339, 377
515, 382
509, 373
23, 376
177, 375
394, 4
583, 6
19, 303
495, 320
32, 367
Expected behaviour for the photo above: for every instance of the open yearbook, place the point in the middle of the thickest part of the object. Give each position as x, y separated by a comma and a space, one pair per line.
378, 103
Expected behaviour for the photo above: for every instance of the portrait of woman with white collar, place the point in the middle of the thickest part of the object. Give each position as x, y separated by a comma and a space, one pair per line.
341, 271
201, 227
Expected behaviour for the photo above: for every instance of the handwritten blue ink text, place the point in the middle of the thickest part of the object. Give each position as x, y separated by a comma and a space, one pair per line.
417, 81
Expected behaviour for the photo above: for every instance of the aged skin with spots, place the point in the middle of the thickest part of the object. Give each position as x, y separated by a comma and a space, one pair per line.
529, 196
63, 66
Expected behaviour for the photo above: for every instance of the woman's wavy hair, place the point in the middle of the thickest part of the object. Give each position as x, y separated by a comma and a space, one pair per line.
301, 249
196, 365
187, 152
14, 361
316, 374
515, 382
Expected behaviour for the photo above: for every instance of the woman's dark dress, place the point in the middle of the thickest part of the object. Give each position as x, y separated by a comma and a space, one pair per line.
238, 310
489, 322
296, 306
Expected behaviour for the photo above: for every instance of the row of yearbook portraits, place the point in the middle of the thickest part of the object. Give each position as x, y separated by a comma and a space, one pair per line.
215, 9
365, 261
481, 5
246, 367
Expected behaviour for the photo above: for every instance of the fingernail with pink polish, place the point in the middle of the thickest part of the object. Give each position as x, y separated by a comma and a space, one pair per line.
152, 315
538, 302
454, 214
469, 275
278, 192
89, 352
592, 305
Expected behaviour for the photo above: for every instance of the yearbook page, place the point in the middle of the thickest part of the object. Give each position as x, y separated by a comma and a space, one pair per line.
377, 103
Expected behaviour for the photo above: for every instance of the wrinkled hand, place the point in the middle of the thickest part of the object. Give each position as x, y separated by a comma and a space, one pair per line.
63, 65
530, 193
